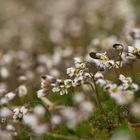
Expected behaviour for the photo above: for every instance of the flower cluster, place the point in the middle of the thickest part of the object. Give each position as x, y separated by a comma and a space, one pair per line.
123, 93
78, 75
102, 61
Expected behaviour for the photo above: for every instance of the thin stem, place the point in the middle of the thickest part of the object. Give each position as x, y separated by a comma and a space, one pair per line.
120, 58
62, 136
47, 102
97, 97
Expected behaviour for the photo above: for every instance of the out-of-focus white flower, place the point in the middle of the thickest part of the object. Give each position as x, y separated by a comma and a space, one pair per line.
41, 93
4, 73
3, 100
86, 106
56, 119
31, 120
10, 95
132, 50
127, 83
135, 109
98, 75
41, 129
22, 90
5, 112
39, 110
123, 135
78, 97
101, 82
10, 127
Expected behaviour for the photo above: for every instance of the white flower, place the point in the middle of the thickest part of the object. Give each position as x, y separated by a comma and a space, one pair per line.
109, 64
56, 119
4, 72
102, 56
78, 97
56, 89
123, 97
77, 81
41, 93
98, 75
79, 63
63, 90
39, 110
10, 127
86, 106
71, 71
22, 90
10, 95
19, 113
78, 60
5, 112
86, 77
101, 82
31, 120
132, 50
68, 83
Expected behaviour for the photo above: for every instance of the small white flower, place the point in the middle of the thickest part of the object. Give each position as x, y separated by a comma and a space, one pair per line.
19, 113
71, 71
86, 106
56, 119
56, 89
39, 110
132, 50
98, 75
10, 95
41, 93
78, 97
68, 83
5, 112
77, 81
101, 82
79, 63
22, 90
